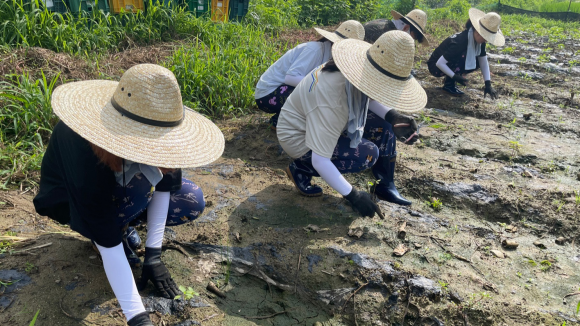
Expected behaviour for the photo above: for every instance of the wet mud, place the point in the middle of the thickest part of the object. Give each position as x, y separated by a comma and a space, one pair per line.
501, 248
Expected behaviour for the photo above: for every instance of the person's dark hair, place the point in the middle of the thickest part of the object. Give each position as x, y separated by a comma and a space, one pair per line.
468, 24
330, 66
322, 39
418, 35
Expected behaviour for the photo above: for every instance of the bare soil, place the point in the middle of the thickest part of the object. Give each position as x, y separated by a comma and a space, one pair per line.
503, 170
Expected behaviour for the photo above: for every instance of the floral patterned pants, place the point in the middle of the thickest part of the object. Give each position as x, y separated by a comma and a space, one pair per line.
273, 102
378, 140
185, 205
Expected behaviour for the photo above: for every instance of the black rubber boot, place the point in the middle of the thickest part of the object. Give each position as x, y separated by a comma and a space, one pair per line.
384, 171
301, 175
450, 87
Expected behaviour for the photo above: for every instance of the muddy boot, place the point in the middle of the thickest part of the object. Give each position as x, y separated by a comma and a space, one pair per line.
450, 87
301, 175
384, 171
131, 241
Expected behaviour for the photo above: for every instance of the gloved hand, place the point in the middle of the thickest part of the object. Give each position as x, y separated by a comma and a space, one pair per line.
141, 319
490, 90
460, 79
362, 202
404, 126
155, 271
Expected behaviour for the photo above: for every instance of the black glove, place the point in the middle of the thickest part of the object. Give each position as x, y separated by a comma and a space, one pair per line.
460, 79
362, 202
490, 90
141, 319
404, 126
155, 271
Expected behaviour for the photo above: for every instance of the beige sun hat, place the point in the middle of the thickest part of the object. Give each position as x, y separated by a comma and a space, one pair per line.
487, 25
140, 118
349, 29
382, 70
417, 18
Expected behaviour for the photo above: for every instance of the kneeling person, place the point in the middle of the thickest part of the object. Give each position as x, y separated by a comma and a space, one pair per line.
117, 151
322, 124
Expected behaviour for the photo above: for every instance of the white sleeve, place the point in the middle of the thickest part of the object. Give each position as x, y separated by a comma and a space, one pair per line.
121, 279
309, 58
484, 65
156, 218
330, 174
292, 80
378, 109
442, 65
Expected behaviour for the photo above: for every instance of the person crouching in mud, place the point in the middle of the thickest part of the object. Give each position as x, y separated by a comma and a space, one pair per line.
279, 81
322, 125
465, 52
377, 129
119, 149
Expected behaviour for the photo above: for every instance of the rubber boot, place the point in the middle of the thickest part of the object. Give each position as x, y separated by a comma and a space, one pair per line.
450, 87
130, 242
301, 175
384, 171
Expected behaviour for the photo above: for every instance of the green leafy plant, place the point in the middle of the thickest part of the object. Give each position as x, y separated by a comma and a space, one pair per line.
188, 293
29, 267
545, 265
435, 203
544, 58
509, 50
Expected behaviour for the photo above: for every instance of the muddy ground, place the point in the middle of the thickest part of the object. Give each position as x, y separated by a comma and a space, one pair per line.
504, 170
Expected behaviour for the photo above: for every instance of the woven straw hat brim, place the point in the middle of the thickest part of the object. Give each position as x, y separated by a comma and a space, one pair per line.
86, 108
496, 39
397, 15
351, 58
331, 36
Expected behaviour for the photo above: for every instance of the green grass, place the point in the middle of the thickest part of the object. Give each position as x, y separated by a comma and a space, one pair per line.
218, 73
29, 23
26, 121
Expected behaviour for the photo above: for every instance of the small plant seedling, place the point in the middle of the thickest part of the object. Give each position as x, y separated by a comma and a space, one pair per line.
351, 262
443, 285
188, 293
518, 274
545, 265
29, 267
532, 262
435, 203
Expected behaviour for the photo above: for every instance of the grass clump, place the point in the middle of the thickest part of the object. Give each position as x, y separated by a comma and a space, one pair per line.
26, 122
218, 72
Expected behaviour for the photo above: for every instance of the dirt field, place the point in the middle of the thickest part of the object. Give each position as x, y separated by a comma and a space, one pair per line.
503, 170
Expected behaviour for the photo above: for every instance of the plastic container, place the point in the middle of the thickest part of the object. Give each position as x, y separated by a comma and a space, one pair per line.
200, 7
59, 6
238, 9
126, 5
219, 10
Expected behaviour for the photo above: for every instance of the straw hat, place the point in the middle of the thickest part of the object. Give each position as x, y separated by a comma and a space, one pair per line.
140, 118
487, 25
417, 18
383, 70
349, 29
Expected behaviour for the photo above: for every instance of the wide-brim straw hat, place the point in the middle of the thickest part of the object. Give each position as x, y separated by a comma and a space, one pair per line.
349, 29
487, 25
382, 70
141, 118
417, 18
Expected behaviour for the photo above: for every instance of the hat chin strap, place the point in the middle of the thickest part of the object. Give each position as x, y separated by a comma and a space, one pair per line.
151, 122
